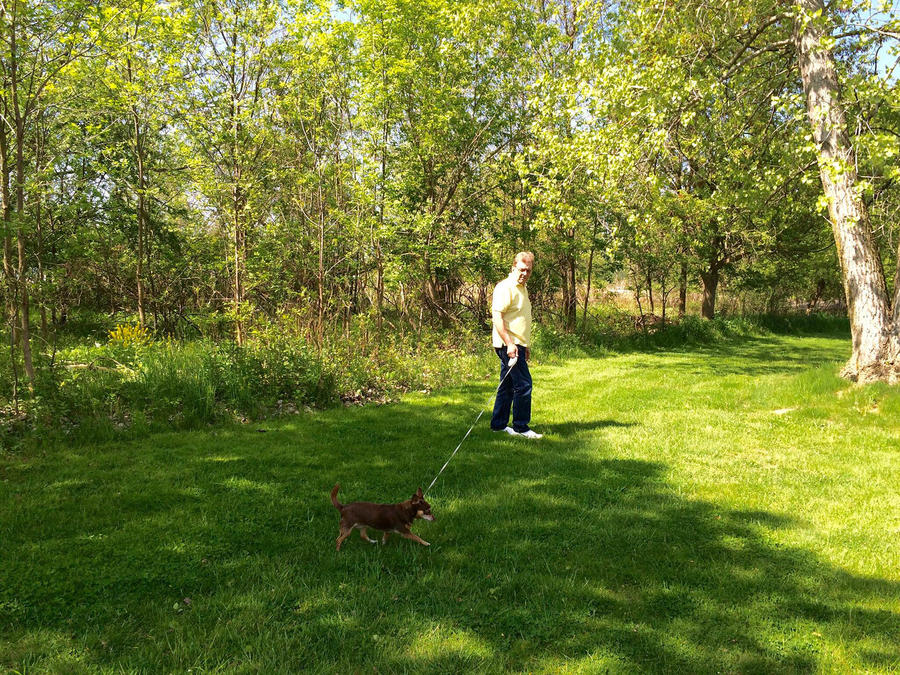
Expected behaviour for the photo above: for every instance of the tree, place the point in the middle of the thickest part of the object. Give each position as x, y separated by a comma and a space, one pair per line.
874, 315
438, 115
227, 109
576, 157
138, 76
38, 42
729, 163
314, 115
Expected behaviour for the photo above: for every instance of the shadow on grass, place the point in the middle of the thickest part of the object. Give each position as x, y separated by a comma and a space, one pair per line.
752, 356
216, 551
565, 429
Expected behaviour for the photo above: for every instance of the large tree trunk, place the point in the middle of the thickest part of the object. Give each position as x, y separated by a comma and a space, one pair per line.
570, 295
873, 327
716, 259
710, 280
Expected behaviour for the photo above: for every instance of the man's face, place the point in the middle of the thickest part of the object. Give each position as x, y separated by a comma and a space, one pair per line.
522, 270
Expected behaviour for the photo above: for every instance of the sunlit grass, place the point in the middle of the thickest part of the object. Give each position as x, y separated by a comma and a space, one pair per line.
721, 509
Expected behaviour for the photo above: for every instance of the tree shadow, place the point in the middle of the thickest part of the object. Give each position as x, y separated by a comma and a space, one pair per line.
751, 356
566, 429
545, 556
604, 558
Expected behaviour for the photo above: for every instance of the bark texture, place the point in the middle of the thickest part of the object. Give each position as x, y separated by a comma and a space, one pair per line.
710, 280
876, 343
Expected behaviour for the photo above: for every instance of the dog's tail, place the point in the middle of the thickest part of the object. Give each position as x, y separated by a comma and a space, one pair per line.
337, 504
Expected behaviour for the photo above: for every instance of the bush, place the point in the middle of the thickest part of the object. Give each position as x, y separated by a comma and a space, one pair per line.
132, 384
818, 323
692, 330
614, 329
406, 361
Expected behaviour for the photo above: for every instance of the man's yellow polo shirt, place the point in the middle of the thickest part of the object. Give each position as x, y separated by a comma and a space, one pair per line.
511, 299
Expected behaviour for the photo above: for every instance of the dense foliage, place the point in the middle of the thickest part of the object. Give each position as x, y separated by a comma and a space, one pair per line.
216, 167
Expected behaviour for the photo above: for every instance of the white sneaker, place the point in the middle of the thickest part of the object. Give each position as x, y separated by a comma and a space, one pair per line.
508, 430
529, 434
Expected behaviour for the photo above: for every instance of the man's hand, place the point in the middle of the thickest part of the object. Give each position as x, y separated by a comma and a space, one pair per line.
512, 351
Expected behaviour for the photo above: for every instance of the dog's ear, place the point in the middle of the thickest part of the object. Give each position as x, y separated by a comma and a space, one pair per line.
419, 492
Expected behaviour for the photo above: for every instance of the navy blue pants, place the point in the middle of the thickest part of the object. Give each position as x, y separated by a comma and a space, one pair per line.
515, 393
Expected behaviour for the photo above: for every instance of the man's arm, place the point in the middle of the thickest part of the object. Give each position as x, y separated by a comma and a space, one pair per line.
511, 350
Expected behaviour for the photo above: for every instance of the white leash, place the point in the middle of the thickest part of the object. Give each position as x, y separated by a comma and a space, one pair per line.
512, 363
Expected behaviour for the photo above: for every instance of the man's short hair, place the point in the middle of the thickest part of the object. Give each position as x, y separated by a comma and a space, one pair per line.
523, 255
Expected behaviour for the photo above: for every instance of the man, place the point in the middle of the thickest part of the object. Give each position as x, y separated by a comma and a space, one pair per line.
511, 317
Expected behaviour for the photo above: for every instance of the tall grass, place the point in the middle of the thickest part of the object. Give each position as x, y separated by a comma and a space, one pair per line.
726, 509
122, 383
615, 329
124, 387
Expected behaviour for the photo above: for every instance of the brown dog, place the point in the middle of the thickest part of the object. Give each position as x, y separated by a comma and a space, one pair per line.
385, 517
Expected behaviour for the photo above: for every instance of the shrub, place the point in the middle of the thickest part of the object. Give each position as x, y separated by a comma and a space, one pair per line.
132, 383
818, 323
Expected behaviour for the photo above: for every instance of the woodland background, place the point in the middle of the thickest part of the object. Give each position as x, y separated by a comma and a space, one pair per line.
255, 191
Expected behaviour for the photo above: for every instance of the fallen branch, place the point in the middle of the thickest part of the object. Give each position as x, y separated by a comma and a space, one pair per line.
120, 367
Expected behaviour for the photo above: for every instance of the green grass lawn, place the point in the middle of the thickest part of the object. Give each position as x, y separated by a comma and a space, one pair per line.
721, 509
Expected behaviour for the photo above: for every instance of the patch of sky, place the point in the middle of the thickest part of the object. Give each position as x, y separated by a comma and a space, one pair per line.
341, 12
881, 20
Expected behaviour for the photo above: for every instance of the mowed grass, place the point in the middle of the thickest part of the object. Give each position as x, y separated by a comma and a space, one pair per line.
725, 509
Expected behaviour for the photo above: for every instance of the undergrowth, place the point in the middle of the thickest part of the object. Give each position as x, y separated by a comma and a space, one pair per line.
619, 331
726, 509
100, 382
129, 384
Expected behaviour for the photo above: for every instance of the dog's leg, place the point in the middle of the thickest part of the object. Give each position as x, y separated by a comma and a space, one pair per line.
410, 535
365, 535
344, 533
384, 538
